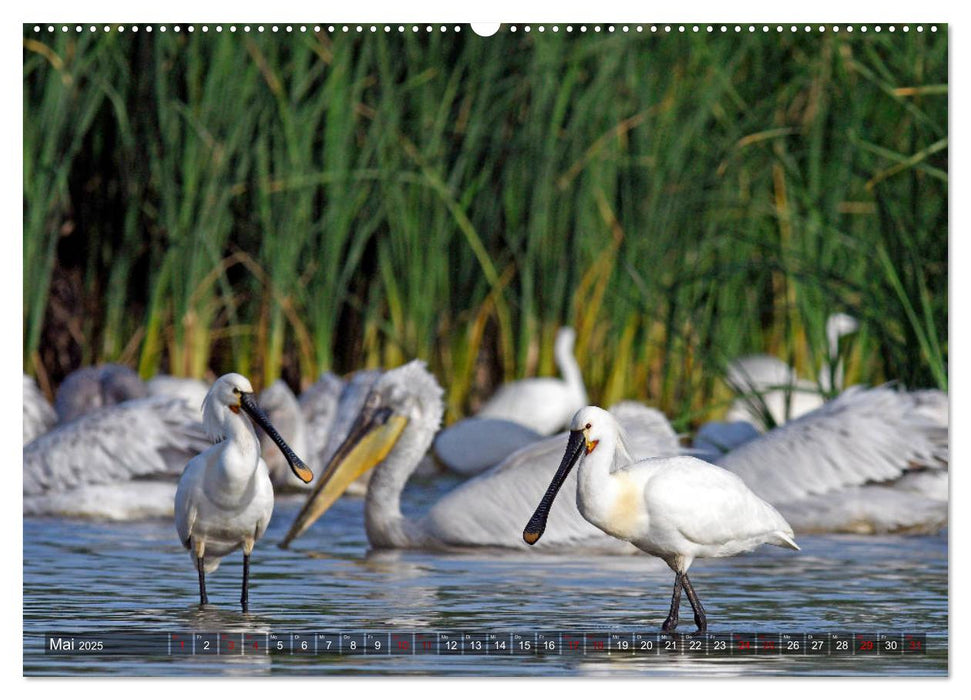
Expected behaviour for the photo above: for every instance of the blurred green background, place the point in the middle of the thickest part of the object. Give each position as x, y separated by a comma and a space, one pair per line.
284, 204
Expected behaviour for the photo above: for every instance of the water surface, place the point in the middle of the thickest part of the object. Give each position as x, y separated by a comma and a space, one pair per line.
84, 576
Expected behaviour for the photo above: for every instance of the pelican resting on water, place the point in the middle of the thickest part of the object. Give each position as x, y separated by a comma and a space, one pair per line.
676, 508
118, 463
474, 444
225, 499
864, 436
39, 415
771, 386
869, 461
543, 404
518, 414
394, 430
90, 388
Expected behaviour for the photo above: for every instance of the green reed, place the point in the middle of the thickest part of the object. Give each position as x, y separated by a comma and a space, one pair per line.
287, 205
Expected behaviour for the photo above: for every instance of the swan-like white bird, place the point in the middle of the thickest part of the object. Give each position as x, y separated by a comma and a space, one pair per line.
118, 463
543, 404
394, 430
675, 508
225, 499
518, 414
39, 416
771, 386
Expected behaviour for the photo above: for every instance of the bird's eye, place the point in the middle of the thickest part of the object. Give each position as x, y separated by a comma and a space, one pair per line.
589, 426
235, 391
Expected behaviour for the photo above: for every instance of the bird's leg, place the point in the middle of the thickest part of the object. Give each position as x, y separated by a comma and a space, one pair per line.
244, 597
700, 618
200, 548
672, 621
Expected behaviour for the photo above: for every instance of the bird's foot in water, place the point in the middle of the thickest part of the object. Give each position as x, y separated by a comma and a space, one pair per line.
702, 624
669, 624
244, 604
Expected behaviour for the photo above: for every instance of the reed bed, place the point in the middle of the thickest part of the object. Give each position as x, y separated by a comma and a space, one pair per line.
286, 205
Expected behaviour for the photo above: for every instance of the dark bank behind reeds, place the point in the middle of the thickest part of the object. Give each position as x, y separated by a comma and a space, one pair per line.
291, 203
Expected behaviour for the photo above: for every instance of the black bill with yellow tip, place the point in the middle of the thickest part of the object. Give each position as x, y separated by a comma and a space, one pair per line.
370, 439
537, 524
248, 404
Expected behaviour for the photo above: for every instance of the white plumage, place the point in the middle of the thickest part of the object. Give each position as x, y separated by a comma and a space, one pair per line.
94, 465
486, 511
770, 386
474, 444
39, 416
543, 404
90, 388
676, 508
852, 464
225, 498
864, 435
192, 391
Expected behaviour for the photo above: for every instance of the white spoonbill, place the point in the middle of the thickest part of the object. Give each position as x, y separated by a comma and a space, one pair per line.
225, 498
676, 508
394, 430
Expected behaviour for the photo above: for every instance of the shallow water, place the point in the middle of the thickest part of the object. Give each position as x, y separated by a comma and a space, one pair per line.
88, 577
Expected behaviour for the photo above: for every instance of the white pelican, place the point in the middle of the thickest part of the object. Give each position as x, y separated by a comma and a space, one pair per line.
852, 465
89, 388
770, 386
544, 404
676, 508
319, 405
474, 444
715, 438
394, 430
225, 498
518, 414
192, 391
119, 462
39, 416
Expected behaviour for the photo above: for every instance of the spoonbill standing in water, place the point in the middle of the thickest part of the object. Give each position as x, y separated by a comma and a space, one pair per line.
225, 498
676, 508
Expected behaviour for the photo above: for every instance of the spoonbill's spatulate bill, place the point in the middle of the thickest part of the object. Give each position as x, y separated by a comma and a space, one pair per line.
225, 498
676, 508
